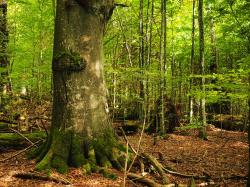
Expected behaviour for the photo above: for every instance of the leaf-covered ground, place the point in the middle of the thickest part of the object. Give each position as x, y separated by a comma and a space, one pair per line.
224, 155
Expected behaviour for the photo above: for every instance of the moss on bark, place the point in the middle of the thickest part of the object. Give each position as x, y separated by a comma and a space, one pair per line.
67, 149
68, 60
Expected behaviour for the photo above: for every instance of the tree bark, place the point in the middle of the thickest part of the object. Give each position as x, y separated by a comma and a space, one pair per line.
81, 132
191, 97
4, 60
141, 61
202, 67
163, 61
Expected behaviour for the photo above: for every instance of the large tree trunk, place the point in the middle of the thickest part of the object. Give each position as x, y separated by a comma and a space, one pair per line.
81, 132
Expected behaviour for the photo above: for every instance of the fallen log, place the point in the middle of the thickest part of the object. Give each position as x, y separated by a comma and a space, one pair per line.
14, 140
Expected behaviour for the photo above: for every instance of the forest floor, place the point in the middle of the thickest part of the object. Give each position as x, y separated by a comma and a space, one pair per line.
223, 155
223, 158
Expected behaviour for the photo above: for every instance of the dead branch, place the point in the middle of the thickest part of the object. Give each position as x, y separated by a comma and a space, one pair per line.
138, 146
20, 152
185, 175
157, 166
233, 177
149, 182
8, 121
40, 118
126, 139
126, 165
20, 134
144, 180
39, 176
44, 127
161, 169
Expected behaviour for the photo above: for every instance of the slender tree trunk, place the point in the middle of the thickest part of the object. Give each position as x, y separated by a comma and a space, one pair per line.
5, 86
163, 63
114, 79
214, 62
141, 60
81, 132
191, 98
202, 66
173, 95
148, 54
213, 67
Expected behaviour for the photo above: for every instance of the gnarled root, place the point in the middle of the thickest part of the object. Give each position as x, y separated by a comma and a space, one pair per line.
68, 149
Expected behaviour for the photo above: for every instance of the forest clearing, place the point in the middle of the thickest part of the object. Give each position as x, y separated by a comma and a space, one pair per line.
124, 93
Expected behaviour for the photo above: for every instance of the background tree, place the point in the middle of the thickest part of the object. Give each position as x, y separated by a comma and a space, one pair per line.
202, 67
4, 59
30, 50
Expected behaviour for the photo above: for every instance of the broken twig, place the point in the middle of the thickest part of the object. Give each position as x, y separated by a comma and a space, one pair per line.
39, 176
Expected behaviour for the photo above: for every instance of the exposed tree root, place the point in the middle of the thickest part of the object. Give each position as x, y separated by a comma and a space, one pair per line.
158, 167
72, 150
39, 176
162, 171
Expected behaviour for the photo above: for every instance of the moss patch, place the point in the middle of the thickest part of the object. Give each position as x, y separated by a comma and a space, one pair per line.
107, 174
68, 149
15, 140
59, 164
68, 60
76, 158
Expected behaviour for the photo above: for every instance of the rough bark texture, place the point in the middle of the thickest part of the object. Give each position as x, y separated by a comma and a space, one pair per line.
4, 60
191, 97
81, 134
202, 66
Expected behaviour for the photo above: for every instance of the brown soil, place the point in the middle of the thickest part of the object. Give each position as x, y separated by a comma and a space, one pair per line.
224, 154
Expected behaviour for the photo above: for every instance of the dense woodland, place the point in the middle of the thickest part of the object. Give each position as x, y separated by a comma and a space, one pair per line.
172, 69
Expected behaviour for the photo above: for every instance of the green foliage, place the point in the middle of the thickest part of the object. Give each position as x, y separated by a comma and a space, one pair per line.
31, 25
30, 46
196, 125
